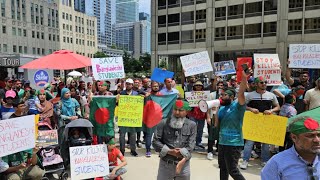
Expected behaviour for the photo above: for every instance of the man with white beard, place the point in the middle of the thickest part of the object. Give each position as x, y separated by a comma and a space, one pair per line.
174, 139
301, 161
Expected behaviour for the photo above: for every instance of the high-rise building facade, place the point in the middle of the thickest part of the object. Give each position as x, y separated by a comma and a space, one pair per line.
228, 29
146, 31
77, 30
80, 5
132, 37
127, 11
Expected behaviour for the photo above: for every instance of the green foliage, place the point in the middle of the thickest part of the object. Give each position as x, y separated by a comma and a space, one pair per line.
99, 55
141, 65
163, 64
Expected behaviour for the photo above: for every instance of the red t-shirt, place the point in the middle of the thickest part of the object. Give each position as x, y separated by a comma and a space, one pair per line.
113, 157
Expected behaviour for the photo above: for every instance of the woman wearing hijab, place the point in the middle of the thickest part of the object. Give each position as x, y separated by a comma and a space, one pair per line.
45, 108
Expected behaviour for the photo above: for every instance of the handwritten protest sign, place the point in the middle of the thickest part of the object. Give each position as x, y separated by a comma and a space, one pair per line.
130, 111
89, 161
195, 96
107, 68
304, 56
160, 75
268, 66
240, 61
196, 63
269, 129
224, 68
17, 135
47, 138
180, 89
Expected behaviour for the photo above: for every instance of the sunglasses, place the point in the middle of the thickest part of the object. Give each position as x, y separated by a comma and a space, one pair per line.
311, 170
263, 82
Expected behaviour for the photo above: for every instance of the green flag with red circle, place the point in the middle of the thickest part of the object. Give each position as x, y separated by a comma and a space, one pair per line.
102, 114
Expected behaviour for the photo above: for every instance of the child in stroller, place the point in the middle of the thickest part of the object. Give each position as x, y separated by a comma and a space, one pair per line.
78, 138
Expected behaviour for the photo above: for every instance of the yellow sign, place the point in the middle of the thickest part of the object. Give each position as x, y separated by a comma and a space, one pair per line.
269, 129
36, 121
130, 111
181, 91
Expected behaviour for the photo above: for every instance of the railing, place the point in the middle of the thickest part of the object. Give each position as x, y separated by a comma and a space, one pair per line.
162, 43
162, 7
248, 36
174, 42
269, 34
222, 18
295, 9
235, 16
174, 24
234, 37
162, 25
294, 32
187, 22
222, 38
201, 40
173, 5
253, 14
313, 7
310, 31
200, 20
201, 1
270, 12
187, 3
187, 41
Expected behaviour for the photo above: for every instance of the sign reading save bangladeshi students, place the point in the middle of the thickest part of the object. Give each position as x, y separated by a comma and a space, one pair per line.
268, 66
196, 63
107, 68
17, 134
195, 96
130, 111
304, 56
269, 129
89, 161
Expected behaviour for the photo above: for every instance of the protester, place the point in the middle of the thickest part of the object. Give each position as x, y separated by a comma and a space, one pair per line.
45, 108
259, 101
32, 102
301, 161
230, 119
168, 88
9, 86
103, 89
19, 110
7, 109
3, 166
116, 170
174, 139
19, 89
146, 85
312, 97
189, 85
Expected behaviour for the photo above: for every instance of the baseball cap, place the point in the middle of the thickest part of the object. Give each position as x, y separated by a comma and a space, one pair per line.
251, 80
129, 81
11, 94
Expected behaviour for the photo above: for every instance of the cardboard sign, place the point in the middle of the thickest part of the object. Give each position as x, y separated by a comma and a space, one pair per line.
47, 138
240, 61
304, 56
224, 68
17, 135
268, 66
160, 75
196, 63
130, 111
89, 161
195, 96
107, 68
269, 129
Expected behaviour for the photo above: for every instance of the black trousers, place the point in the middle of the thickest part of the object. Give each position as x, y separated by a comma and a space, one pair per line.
228, 159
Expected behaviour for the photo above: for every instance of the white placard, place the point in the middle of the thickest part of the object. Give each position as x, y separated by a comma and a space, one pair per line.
268, 66
304, 56
89, 161
195, 96
107, 68
17, 134
196, 63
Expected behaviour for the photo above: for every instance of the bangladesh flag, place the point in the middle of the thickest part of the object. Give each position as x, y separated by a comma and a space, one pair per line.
313, 113
155, 109
102, 114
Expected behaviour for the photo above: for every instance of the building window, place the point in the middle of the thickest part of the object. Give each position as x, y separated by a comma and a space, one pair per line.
14, 31
173, 38
49, 37
58, 38
43, 51
269, 29
25, 33
33, 34
64, 39
173, 19
220, 13
54, 37
38, 51
19, 32
187, 36
295, 26
70, 18
82, 41
173, 3
25, 49
20, 50
295, 5
38, 35
220, 34
42, 35
252, 30
162, 21
70, 28
34, 51
234, 32
270, 7
200, 35
76, 41
3, 8
253, 9
312, 25
14, 48
68, 40
201, 16
71, 41
5, 48
63, 15
4, 30
312, 4
235, 12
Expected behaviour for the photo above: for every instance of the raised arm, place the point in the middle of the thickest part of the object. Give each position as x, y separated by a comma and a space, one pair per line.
242, 89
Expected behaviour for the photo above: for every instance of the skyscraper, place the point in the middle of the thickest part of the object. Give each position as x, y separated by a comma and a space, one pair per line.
127, 11
79, 5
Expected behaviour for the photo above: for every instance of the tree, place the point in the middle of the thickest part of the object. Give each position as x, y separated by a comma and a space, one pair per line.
163, 64
100, 54
145, 61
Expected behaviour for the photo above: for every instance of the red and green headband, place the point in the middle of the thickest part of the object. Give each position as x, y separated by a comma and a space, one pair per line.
183, 105
304, 125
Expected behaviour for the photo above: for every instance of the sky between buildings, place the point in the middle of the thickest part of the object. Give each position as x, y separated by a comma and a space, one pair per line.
144, 6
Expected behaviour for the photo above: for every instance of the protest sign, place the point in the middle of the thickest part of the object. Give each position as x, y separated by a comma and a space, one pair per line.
196, 63
160, 75
17, 135
36, 122
130, 111
269, 129
47, 138
89, 161
195, 96
180, 89
304, 56
107, 68
268, 66
224, 68
240, 61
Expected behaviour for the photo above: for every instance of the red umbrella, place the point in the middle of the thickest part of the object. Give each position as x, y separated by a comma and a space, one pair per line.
59, 60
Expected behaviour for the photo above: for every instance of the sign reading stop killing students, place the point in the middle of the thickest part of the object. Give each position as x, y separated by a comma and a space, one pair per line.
304, 56
130, 111
194, 97
196, 63
17, 134
268, 66
89, 161
107, 68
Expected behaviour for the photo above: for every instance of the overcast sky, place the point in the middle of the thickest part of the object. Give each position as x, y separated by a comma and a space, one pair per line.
144, 6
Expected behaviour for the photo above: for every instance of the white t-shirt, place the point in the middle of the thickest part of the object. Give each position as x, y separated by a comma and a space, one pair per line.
313, 98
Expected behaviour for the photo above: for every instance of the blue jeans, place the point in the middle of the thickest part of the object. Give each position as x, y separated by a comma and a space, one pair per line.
148, 139
200, 126
265, 153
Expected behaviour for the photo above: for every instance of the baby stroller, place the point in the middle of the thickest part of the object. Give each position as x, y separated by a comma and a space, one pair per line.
76, 133
50, 157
